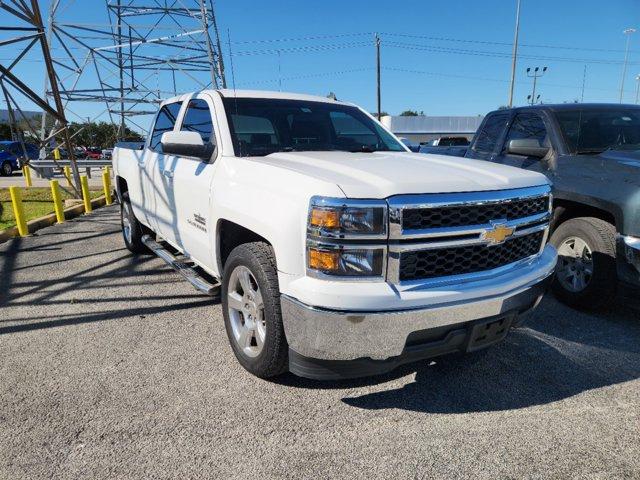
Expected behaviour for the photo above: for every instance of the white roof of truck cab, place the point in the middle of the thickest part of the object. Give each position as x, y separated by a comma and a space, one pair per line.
230, 93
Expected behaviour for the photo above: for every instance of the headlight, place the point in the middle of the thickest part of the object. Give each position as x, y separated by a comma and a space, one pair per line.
339, 218
347, 238
345, 261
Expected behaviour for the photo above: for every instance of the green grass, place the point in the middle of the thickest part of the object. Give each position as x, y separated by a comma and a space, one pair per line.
36, 202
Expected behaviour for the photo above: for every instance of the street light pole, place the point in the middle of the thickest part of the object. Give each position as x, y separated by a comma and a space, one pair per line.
628, 33
535, 73
514, 55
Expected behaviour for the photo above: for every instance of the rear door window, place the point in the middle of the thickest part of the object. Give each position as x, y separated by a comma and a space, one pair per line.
489, 135
165, 121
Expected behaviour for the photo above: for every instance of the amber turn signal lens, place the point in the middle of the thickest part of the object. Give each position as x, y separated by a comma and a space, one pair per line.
324, 218
323, 260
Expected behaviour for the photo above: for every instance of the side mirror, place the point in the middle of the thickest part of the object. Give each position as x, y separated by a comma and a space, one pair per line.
186, 144
529, 147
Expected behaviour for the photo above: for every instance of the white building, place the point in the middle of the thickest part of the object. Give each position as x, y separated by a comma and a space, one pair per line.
423, 128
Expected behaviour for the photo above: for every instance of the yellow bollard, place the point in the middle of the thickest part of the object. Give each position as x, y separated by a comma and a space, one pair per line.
85, 194
67, 174
57, 201
56, 154
18, 211
106, 184
26, 173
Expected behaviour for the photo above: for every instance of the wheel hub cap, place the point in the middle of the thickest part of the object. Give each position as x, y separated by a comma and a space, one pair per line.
575, 264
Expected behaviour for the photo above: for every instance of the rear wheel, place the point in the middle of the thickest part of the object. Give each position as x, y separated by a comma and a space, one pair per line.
6, 169
586, 270
132, 229
251, 309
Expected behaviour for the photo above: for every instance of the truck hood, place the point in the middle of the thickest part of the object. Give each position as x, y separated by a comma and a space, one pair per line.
383, 174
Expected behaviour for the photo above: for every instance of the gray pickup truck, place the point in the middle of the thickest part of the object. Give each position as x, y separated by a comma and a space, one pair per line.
591, 153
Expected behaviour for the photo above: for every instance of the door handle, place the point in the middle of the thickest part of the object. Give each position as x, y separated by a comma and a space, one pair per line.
167, 173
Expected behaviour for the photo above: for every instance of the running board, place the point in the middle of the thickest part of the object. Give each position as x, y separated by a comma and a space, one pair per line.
184, 269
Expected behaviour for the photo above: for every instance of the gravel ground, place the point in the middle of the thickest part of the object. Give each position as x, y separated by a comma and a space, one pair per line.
112, 367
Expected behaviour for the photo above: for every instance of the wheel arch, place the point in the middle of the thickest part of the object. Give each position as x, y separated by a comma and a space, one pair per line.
564, 210
230, 235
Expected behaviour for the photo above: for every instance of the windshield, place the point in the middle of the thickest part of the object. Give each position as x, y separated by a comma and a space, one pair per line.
260, 126
594, 131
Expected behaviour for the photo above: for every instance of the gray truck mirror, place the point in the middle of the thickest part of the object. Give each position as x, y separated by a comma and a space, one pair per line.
528, 147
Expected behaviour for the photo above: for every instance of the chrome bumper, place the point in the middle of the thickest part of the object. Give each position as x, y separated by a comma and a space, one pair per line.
341, 335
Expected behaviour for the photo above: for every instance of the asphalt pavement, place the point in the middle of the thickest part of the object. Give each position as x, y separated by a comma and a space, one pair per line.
111, 366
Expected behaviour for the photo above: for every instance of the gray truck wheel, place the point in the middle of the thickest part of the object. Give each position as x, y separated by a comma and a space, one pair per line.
132, 229
6, 170
251, 309
586, 271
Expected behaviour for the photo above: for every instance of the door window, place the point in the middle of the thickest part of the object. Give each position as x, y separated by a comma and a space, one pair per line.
198, 119
489, 135
528, 126
165, 121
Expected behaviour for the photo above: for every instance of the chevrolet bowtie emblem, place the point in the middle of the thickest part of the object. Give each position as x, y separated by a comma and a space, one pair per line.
497, 235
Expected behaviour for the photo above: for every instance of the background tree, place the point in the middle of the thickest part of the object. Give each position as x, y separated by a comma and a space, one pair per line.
411, 113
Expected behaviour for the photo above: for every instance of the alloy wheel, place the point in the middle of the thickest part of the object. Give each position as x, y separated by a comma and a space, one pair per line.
246, 311
575, 264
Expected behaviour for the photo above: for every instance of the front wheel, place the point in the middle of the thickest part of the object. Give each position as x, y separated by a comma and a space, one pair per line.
586, 270
251, 309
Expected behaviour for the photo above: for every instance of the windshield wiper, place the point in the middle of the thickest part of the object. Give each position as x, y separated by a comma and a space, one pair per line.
364, 149
592, 151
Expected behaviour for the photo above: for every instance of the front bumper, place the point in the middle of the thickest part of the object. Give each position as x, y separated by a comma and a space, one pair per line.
344, 335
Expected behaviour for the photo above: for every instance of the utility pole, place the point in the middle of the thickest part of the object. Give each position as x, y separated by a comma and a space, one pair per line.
584, 79
628, 33
637, 88
514, 55
378, 73
535, 73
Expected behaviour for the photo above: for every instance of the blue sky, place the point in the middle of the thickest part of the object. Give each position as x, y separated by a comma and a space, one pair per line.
442, 57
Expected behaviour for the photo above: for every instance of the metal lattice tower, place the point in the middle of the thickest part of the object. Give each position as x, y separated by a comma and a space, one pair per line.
143, 51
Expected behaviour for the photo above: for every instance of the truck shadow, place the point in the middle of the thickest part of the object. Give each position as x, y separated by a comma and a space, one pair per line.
558, 354
561, 353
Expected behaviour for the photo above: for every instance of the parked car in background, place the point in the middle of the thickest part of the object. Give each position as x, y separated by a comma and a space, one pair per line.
455, 146
94, 153
107, 153
591, 153
339, 252
12, 155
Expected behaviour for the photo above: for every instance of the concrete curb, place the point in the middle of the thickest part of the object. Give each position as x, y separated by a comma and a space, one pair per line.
50, 219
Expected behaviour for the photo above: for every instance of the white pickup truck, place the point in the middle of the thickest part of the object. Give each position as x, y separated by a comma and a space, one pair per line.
336, 252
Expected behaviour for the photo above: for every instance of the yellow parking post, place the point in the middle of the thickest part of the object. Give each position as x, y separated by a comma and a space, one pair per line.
57, 201
106, 184
18, 211
56, 154
85, 194
67, 174
26, 173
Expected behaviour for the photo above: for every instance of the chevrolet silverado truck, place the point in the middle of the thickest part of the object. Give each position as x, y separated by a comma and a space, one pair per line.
591, 154
335, 251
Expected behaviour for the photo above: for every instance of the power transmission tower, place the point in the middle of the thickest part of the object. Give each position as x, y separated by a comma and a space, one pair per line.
378, 93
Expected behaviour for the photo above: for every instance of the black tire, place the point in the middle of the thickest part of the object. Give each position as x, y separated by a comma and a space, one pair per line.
259, 259
6, 169
600, 238
132, 238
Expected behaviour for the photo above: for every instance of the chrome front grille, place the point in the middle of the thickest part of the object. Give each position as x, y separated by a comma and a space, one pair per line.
464, 215
442, 262
462, 236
